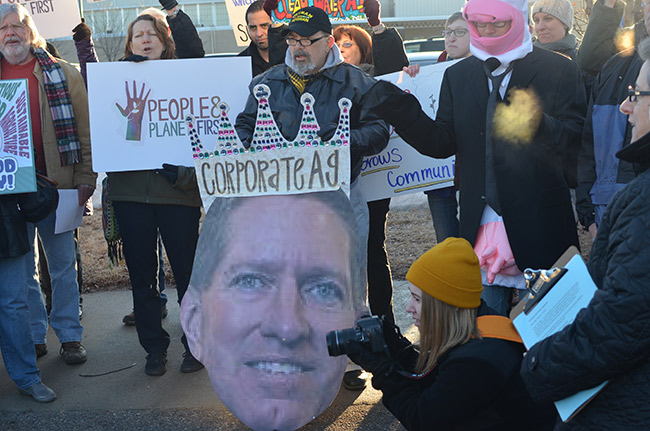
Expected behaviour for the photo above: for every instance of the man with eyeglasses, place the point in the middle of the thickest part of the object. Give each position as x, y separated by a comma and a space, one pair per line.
610, 339
511, 114
606, 131
313, 64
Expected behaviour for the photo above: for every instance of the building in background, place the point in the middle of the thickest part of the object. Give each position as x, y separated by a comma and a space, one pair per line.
108, 19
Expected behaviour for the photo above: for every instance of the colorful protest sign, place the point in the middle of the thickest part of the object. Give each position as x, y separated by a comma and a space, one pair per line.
53, 18
138, 110
400, 169
338, 10
272, 165
17, 174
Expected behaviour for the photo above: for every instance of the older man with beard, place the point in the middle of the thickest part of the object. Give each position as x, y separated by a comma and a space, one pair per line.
314, 65
61, 137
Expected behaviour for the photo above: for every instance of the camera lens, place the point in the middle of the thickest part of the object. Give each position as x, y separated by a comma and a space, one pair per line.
333, 347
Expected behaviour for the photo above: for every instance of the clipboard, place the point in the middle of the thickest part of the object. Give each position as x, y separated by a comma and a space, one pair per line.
529, 302
568, 407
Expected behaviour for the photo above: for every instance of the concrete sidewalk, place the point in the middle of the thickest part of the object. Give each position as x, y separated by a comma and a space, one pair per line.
131, 400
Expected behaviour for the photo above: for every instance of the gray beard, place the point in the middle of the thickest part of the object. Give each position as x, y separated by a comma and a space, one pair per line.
16, 56
302, 68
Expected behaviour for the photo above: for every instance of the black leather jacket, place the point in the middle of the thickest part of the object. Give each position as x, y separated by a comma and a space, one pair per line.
368, 135
15, 211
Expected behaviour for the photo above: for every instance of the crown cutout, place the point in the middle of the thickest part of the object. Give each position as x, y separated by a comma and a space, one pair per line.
272, 164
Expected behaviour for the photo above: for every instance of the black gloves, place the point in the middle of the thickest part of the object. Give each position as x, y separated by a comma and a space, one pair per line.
135, 58
372, 9
168, 171
376, 363
270, 5
168, 4
81, 32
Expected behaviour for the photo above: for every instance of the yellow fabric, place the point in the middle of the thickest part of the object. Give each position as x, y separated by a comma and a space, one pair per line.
298, 81
497, 327
449, 272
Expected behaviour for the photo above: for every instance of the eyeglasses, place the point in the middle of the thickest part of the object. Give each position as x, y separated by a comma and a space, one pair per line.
346, 44
495, 24
634, 94
459, 32
304, 42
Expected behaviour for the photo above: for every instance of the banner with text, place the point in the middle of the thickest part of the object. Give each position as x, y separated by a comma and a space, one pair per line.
17, 174
338, 10
137, 113
400, 169
53, 18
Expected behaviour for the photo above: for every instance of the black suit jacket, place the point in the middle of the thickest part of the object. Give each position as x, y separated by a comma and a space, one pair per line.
532, 192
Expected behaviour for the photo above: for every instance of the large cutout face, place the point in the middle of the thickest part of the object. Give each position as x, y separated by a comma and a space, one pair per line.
281, 280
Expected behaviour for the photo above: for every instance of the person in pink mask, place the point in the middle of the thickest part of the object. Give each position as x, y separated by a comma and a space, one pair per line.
515, 116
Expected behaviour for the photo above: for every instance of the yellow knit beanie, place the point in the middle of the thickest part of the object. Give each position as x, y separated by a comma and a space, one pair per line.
449, 272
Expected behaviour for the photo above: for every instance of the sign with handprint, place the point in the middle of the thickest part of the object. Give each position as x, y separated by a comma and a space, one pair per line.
137, 118
17, 173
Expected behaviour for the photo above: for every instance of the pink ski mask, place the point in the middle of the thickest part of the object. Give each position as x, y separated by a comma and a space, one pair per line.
513, 45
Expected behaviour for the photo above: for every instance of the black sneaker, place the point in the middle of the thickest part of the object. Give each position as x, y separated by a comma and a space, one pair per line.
156, 364
41, 350
129, 319
190, 363
73, 353
355, 380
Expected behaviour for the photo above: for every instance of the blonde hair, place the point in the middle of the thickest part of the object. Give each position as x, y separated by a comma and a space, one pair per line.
442, 327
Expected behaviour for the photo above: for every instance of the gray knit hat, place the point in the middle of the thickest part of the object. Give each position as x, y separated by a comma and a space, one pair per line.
560, 9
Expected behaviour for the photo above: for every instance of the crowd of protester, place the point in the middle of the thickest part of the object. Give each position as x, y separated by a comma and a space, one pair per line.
528, 175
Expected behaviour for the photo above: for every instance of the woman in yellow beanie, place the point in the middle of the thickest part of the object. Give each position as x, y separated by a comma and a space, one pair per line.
466, 373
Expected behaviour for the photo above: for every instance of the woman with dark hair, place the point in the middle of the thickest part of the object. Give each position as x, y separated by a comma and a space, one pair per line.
164, 201
466, 372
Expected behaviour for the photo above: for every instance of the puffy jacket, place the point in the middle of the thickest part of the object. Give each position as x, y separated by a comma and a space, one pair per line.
610, 339
600, 173
368, 134
474, 386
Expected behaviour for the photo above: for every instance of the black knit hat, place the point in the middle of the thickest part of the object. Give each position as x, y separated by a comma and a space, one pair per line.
308, 21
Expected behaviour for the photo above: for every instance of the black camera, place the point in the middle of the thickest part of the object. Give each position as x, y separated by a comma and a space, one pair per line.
367, 331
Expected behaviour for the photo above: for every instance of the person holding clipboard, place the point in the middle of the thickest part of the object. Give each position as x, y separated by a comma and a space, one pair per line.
610, 339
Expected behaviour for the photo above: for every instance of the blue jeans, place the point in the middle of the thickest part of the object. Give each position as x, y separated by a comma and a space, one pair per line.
62, 262
15, 337
444, 212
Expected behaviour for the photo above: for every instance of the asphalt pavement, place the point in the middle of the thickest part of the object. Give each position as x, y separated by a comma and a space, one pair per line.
111, 391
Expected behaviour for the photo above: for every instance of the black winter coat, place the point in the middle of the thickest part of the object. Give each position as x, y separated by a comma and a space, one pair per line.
258, 64
474, 386
532, 191
15, 211
610, 339
368, 134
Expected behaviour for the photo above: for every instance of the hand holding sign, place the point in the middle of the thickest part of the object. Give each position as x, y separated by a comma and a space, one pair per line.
133, 111
81, 32
270, 5
372, 9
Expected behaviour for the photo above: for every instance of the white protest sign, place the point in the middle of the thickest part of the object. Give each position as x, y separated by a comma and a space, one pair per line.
400, 169
17, 174
272, 164
53, 18
137, 110
237, 16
